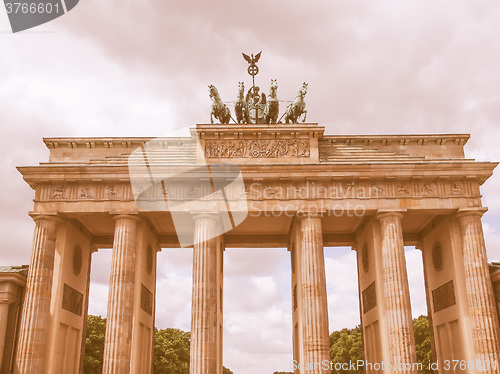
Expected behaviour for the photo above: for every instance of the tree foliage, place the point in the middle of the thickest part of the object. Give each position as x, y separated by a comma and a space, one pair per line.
94, 345
170, 349
346, 346
423, 342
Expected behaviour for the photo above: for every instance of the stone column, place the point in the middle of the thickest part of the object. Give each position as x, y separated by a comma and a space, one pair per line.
479, 290
428, 300
33, 331
204, 305
86, 310
400, 338
118, 340
314, 300
4, 317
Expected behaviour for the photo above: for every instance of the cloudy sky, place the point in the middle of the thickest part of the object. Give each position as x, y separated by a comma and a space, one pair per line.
141, 68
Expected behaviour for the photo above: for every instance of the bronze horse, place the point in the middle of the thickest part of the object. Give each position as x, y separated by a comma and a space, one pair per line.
298, 107
219, 110
272, 109
241, 106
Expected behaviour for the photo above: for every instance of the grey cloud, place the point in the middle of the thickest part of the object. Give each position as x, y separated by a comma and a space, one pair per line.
254, 261
251, 294
101, 267
387, 64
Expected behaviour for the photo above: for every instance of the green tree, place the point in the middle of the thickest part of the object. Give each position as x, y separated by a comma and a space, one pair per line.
423, 343
171, 352
94, 345
346, 345
170, 349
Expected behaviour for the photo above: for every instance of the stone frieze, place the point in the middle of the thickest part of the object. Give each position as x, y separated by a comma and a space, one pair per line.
282, 148
269, 190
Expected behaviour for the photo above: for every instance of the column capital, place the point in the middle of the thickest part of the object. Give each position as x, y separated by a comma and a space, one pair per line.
306, 214
468, 212
197, 216
15, 278
495, 276
133, 217
46, 217
390, 213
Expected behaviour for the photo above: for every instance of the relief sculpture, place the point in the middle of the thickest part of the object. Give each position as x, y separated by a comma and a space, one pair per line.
257, 148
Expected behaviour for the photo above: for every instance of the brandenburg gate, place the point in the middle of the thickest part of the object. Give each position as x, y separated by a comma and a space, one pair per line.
275, 185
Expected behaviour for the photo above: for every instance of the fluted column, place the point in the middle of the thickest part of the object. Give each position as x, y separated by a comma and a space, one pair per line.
118, 340
314, 300
33, 332
400, 337
479, 290
204, 305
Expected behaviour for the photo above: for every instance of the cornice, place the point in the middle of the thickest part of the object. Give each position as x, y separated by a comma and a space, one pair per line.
128, 142
467, 168
402, 139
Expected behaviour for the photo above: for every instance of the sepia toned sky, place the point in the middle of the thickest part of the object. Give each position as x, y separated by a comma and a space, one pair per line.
141, 68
